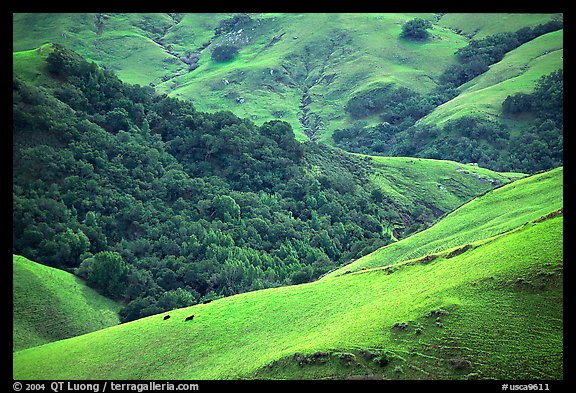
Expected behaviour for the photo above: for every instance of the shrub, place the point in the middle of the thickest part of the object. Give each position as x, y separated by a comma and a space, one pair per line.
438, 312
416, 29
347, 358
459, 363
382, 360
224, 53
400, 326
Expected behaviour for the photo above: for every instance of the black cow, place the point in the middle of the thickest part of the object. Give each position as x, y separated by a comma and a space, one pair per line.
166, 317
189, 318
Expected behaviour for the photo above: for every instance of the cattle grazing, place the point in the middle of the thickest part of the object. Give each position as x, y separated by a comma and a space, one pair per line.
166, 317
364, 268
189, 318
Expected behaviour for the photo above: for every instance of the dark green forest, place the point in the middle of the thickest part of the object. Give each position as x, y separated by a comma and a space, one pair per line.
181, 206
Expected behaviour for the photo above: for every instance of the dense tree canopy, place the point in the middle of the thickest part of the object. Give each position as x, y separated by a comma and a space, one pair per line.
182, 206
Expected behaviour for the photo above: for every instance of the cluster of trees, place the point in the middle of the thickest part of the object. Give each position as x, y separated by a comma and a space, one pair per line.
471, 139
224, 52
475, 58
233, 23
416, 29
395, 105
161, 206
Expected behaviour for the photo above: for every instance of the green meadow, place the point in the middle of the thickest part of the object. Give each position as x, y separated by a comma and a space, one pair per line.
447, 183
50, 304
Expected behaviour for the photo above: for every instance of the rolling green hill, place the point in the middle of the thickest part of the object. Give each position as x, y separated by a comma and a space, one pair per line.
470, 315
50, 304
440, 185
205, 214
496, 212
518, 72
302, 68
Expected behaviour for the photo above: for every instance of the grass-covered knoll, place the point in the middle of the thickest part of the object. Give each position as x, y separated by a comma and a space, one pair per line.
30, 65
497, 211
50, 304
470, 316
518, 72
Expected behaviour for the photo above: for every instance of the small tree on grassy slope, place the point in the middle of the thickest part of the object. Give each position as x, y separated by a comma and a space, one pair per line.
416, 29
108, 273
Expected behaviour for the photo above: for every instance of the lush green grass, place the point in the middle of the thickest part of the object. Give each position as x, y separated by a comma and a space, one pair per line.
30, 65
361, 51
503, 298
518, 72
50, 304
491, 323
443, 184
497, 211
122, 45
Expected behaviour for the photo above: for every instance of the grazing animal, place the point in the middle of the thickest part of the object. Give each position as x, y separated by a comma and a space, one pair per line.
166, 317
189, 318
364, 268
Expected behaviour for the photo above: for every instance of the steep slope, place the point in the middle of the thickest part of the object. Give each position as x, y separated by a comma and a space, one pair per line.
124, 43
459, 316
518, 72
497, 211
438, 185
481, 25
50, 304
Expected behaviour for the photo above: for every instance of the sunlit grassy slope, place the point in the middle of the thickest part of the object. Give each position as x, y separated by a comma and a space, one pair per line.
285, 59
518, 72
497, 211
51, 304
331, 56
498, 315
122, 44
439, 183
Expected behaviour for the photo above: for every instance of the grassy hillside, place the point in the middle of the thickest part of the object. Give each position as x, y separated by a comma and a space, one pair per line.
497, 211
122, 42
51, 304
302, 68
318, 61
468, 316
438, 184
517, 73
